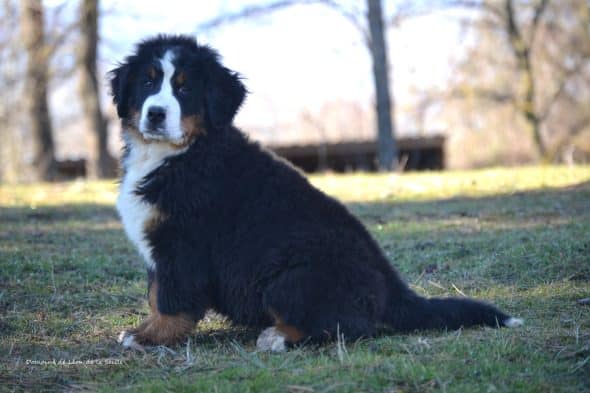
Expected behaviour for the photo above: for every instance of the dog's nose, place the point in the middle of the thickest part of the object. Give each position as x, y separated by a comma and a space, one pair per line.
156, 114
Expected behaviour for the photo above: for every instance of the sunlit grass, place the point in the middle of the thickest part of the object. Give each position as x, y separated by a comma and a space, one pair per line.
347, 187
431, 185
55, 194
70, 281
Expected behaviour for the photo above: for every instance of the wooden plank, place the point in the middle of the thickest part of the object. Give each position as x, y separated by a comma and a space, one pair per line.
356, 147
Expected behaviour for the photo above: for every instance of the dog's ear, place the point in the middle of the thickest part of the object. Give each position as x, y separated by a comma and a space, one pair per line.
224, 93
120, 89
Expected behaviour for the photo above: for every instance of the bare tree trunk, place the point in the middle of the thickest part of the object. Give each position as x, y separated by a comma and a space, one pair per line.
100, 162
522, 52
35, 90
11, 54
387, 150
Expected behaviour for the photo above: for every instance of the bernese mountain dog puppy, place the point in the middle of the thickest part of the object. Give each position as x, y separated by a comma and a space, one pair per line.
223, 224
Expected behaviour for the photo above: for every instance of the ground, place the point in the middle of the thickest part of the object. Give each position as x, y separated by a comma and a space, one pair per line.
70, 282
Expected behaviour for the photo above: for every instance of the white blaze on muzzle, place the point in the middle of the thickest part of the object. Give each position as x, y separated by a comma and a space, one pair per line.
170, 129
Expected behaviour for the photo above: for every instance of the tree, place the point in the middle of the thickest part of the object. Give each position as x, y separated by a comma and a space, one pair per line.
532, 57
374, 39
387, 151
100, 162
522, 48
11, 55
35, 89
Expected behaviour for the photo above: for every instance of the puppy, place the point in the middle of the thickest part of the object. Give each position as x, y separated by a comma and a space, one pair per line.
223, 224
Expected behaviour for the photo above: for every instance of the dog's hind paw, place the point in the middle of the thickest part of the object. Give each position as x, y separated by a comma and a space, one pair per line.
271, 340
127, 340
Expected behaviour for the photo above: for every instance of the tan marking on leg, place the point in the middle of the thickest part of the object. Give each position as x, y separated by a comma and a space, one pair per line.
291, 333
161, 329
158, 328
153, 296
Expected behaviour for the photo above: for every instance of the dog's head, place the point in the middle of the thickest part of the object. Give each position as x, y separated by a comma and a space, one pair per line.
173, 89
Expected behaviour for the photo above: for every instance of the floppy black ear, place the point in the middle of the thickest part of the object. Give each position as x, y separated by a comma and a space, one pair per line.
119, 89
224, 93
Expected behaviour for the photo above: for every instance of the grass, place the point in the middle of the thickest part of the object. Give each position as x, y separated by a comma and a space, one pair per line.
70, 281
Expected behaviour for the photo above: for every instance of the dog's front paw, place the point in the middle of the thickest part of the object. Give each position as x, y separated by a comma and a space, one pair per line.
158, 329
128, 340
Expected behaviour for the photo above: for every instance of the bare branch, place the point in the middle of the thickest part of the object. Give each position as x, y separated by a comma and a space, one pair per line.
57, 39
496, 96
491, 7
576, 129
560, 90
251, 11
354, 19
255, 11
514, 33
539, 10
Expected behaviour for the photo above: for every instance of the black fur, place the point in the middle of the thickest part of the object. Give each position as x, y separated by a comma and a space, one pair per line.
247, 235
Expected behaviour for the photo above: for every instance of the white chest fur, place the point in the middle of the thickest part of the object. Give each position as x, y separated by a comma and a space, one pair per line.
135, 213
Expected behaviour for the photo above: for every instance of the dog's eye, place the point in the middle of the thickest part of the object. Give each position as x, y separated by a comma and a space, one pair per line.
148, 83
183, 89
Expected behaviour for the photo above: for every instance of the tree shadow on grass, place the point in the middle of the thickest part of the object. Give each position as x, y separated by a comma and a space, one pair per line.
548, 220
568, 202
57, 213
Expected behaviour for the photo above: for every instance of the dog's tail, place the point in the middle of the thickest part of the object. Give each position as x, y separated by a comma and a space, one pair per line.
408, 312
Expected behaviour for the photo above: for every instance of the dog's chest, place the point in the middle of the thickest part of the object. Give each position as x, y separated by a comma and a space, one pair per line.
134, 211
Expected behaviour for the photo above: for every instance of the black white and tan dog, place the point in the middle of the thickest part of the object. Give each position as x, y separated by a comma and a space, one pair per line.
223, 224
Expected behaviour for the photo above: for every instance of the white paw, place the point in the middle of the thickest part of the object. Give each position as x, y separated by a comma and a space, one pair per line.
513, 322
271, 340
127, 340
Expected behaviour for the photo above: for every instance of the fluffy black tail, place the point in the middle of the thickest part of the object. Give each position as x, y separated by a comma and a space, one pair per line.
412, 312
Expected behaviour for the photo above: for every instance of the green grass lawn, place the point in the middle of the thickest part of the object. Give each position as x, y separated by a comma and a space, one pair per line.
70, 282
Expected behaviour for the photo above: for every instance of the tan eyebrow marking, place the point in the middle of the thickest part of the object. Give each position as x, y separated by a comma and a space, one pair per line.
180, 78
152, 72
